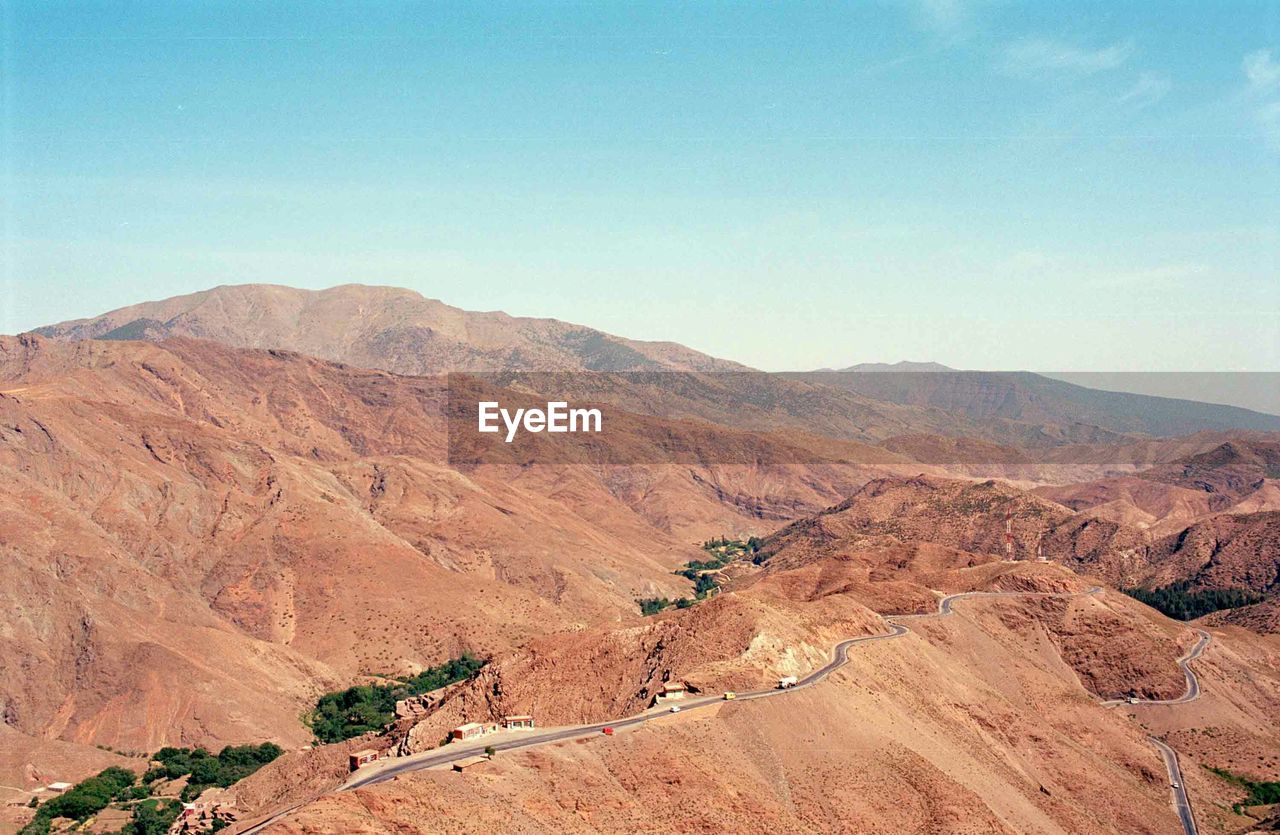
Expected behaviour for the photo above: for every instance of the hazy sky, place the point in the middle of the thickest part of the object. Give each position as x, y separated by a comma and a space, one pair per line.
989, 185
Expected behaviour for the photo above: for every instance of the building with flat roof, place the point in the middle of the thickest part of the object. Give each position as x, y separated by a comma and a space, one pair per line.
670, 691
469, 762
517, 721
471, 730
364, 757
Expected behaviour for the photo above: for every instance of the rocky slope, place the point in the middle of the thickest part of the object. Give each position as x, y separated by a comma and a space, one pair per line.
197, 540
400, 331
1073, 412
1223, 552
970, 516
1236, 474
985, 718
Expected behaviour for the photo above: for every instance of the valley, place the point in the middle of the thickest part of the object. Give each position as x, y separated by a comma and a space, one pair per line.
210, 521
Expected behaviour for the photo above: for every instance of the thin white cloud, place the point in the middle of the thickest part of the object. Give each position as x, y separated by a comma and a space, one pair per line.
1041, 56
1262, 76
1147, 90
1262, 71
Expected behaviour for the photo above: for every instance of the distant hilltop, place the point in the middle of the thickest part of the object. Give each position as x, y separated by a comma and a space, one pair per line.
905, 365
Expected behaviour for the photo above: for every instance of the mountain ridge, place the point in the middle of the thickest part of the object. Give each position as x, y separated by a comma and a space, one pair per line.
391, 328
401, 331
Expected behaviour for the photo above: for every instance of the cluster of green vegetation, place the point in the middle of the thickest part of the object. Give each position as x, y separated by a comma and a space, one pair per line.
1260, 793
370, 707
155, 816
736, 547
232, 764
703, 583
152, 815
723, 551
84, 799
653, 605
1178, 601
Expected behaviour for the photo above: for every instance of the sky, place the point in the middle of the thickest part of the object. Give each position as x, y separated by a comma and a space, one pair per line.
1054, 186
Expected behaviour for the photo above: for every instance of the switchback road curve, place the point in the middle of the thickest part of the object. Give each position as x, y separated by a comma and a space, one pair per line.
1184, 663
839, 657
1181, 802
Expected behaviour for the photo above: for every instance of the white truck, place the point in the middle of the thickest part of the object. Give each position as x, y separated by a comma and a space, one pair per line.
786, 682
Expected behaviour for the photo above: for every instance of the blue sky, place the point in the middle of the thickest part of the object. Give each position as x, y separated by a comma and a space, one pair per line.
989, 185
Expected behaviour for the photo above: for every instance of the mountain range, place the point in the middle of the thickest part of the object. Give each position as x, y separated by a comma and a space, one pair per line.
220, 506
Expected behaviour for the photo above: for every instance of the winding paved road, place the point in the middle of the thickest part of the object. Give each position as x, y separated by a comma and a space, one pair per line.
840, 657
1184, 663
1181, 802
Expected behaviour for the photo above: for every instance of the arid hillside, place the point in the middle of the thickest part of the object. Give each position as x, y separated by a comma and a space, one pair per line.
1239, 551
971, 516
1218, 552
203, 530
400, 331
383, 327
990, 717
1066, 410
1235, 474
197, 540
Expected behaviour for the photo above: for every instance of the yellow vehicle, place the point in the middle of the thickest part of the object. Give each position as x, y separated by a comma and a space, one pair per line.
730, 696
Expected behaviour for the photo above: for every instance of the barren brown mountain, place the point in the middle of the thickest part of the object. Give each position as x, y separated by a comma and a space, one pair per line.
1239, 551
987, 720
971, 516
1229, 472
400, 331
383, 327
198, 540
1237, 474
203, 530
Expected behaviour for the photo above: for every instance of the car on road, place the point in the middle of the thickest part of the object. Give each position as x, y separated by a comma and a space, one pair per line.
607, 731
1176, 785
675, 708
730, 696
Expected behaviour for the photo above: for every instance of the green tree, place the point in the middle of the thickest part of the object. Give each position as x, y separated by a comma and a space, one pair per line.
370, 707
153, 817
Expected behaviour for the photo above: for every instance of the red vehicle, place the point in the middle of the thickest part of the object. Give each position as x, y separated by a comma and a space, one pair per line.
607, 732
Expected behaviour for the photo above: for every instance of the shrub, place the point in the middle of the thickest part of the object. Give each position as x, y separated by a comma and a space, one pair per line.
653, 605
1260, 793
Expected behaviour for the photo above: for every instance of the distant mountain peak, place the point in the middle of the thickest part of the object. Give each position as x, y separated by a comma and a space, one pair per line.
389, 328
904, 365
